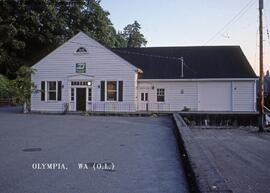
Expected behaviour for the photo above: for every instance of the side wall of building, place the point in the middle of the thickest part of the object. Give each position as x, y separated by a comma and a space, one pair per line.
196, 95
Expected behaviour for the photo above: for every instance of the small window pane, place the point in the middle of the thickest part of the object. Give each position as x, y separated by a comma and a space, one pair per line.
146, 96
51, 85
142, 96
52, 95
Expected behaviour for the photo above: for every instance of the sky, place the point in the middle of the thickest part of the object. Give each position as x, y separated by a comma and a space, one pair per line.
196, 23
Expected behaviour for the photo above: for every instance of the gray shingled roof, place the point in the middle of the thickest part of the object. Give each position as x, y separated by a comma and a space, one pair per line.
200, 62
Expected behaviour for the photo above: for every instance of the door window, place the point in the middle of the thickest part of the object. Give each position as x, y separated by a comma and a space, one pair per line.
144, 96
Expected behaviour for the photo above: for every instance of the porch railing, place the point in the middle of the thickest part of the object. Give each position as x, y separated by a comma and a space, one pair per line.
129, 107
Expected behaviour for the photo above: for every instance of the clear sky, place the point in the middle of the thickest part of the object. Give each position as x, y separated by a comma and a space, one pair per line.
195, 22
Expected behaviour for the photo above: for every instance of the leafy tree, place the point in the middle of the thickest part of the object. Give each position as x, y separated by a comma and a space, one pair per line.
27, 28
21, 88
30, 30
133, 35
4, 87
121, 41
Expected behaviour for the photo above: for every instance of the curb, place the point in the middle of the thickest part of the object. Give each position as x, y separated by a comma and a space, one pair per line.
203, 175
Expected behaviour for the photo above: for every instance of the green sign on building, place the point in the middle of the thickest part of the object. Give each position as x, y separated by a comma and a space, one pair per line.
80, 67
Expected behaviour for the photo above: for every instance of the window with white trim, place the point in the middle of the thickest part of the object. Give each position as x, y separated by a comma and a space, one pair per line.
111, 90
160, 95
72, 94
89, 94
52, 90
81, 83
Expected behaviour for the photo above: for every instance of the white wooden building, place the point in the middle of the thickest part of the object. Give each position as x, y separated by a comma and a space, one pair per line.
83, 75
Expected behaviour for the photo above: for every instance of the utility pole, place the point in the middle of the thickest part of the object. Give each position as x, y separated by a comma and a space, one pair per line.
182, 67
261, 118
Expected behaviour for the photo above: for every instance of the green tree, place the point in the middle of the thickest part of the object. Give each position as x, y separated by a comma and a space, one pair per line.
29, 30
4, 87
21, 88
133, 35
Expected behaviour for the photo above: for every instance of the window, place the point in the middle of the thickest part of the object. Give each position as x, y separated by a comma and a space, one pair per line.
81, 50
89, 94
160, 95
51, 90
144, 96
72, 94
112, 91
81, 83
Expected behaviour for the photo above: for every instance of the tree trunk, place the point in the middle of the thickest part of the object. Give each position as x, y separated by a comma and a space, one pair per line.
25, 110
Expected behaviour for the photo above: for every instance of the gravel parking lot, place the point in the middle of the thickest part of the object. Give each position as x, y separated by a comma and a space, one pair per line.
143, 151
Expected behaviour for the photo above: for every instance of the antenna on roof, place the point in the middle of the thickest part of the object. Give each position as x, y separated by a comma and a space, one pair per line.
182, 66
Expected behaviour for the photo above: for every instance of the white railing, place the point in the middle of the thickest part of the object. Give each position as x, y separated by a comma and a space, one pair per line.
267, 115
267, 111
113, 107
129, 107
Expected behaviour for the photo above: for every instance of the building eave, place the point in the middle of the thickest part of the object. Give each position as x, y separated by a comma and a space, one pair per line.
197, 80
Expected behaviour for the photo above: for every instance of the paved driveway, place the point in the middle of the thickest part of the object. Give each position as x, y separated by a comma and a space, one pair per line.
242, 157
142, 149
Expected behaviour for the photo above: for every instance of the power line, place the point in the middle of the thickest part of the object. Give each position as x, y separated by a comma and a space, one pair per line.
161, 57
233, 20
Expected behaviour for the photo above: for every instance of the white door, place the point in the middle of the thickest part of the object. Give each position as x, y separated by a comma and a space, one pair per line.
143, 100
214, 96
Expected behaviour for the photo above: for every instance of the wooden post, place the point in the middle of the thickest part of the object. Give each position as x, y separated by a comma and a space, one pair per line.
261, 118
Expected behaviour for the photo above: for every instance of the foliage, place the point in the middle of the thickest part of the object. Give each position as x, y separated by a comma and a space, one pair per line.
22, 87
4, 87
133, 35
30, 30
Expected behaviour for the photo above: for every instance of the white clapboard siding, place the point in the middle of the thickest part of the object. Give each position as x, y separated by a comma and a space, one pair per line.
175, 100
243, 96
101, 64
104, 65
214, 96
199, 95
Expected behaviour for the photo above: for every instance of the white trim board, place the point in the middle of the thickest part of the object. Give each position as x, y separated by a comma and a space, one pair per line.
197, 80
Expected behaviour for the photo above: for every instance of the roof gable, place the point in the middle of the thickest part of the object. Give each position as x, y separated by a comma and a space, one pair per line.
83, 40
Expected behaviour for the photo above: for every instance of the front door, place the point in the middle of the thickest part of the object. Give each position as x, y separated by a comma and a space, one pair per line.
81, 99
143, 101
